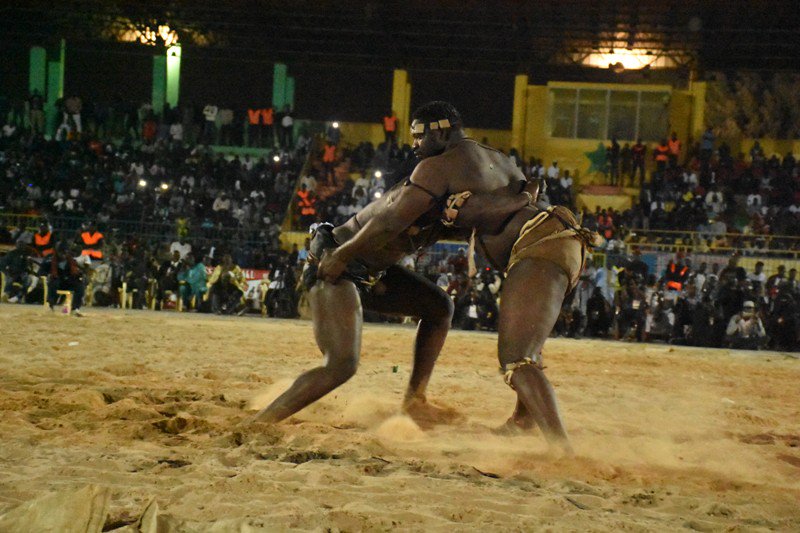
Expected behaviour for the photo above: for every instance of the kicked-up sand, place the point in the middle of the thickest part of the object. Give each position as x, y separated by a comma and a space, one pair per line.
132, 421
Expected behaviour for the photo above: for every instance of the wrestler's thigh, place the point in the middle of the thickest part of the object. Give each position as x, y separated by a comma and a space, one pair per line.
407, 293
529, 306
337, 318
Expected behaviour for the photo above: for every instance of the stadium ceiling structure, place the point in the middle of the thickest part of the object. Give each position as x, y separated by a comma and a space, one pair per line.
465, 36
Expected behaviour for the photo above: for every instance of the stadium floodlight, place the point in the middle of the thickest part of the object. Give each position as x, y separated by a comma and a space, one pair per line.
378, 173
335, 125
143, 183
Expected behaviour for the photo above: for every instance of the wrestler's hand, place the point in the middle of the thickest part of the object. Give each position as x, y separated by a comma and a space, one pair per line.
330, 267
532, 187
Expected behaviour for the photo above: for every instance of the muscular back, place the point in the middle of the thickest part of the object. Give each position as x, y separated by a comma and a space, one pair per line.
471, 166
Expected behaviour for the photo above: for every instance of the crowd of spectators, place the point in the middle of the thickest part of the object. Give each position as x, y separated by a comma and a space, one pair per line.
732, 201
225, 214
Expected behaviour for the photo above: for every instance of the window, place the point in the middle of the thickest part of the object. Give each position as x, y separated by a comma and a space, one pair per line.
602, 114
654, 116
562, 104
622, 114
592, 114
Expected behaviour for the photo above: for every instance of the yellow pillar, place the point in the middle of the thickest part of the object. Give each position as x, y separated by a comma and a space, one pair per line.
401, 104
698, 90
518, 115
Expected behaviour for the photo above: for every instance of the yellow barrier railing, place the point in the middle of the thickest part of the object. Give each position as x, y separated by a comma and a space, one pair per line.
787, 246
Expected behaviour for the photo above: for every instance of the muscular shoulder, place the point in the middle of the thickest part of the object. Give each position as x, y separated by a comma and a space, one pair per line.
431, 174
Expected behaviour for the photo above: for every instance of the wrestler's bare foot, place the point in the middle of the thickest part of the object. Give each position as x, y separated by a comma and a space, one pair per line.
562, 449
515, 426
427, 415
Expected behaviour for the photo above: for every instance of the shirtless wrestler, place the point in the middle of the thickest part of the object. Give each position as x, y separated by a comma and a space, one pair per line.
371, 279
540, 249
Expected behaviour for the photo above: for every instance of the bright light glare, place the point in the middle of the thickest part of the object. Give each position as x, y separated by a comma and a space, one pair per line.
335, 125
142, 183
276, 158
378, 194
378, 173
630, 59
164, 186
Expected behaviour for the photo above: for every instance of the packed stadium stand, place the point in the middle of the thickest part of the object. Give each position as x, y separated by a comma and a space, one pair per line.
220, 228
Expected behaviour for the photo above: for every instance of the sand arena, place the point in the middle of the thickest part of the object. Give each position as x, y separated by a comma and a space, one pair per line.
127, 421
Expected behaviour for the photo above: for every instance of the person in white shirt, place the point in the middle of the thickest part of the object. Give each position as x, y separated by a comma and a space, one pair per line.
745, 330
715, 201
137, 168
362, 182
566, 181
758, 275
754, 203
182, 247
309, 181
552, 172
176, 132
210, 112
379, 182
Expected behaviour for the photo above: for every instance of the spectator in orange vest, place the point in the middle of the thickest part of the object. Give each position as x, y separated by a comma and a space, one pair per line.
390, 127
268, 127
306, 206
254, 137
676, 275
149, 128
91, 242
43, 240
329, 161
661, 156
674, 146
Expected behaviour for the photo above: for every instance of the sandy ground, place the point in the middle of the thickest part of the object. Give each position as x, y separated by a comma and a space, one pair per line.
130, 408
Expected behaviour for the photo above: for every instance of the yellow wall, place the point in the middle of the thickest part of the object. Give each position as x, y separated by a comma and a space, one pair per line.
687, 119
500, 139
680, 115
519, 112
535, 120
571, 154
354, 133
779, 147
698, 91
288, 238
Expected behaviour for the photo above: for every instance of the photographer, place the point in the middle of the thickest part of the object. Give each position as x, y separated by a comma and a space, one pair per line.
598, 314
280, 299
167, 278
226, 287
15, 266
630, 311
745, 330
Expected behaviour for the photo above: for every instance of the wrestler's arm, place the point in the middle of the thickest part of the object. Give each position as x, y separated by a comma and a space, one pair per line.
395, 216
487, 211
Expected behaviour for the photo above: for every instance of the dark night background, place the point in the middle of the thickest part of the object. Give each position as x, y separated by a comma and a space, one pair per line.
342, 54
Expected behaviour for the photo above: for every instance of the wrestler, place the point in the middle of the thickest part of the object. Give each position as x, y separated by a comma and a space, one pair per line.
540, 249
372, 280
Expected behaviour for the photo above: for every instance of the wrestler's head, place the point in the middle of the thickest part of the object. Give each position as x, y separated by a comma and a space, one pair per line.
431, 127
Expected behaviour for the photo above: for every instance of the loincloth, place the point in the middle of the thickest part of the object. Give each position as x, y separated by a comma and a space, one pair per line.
556, 236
